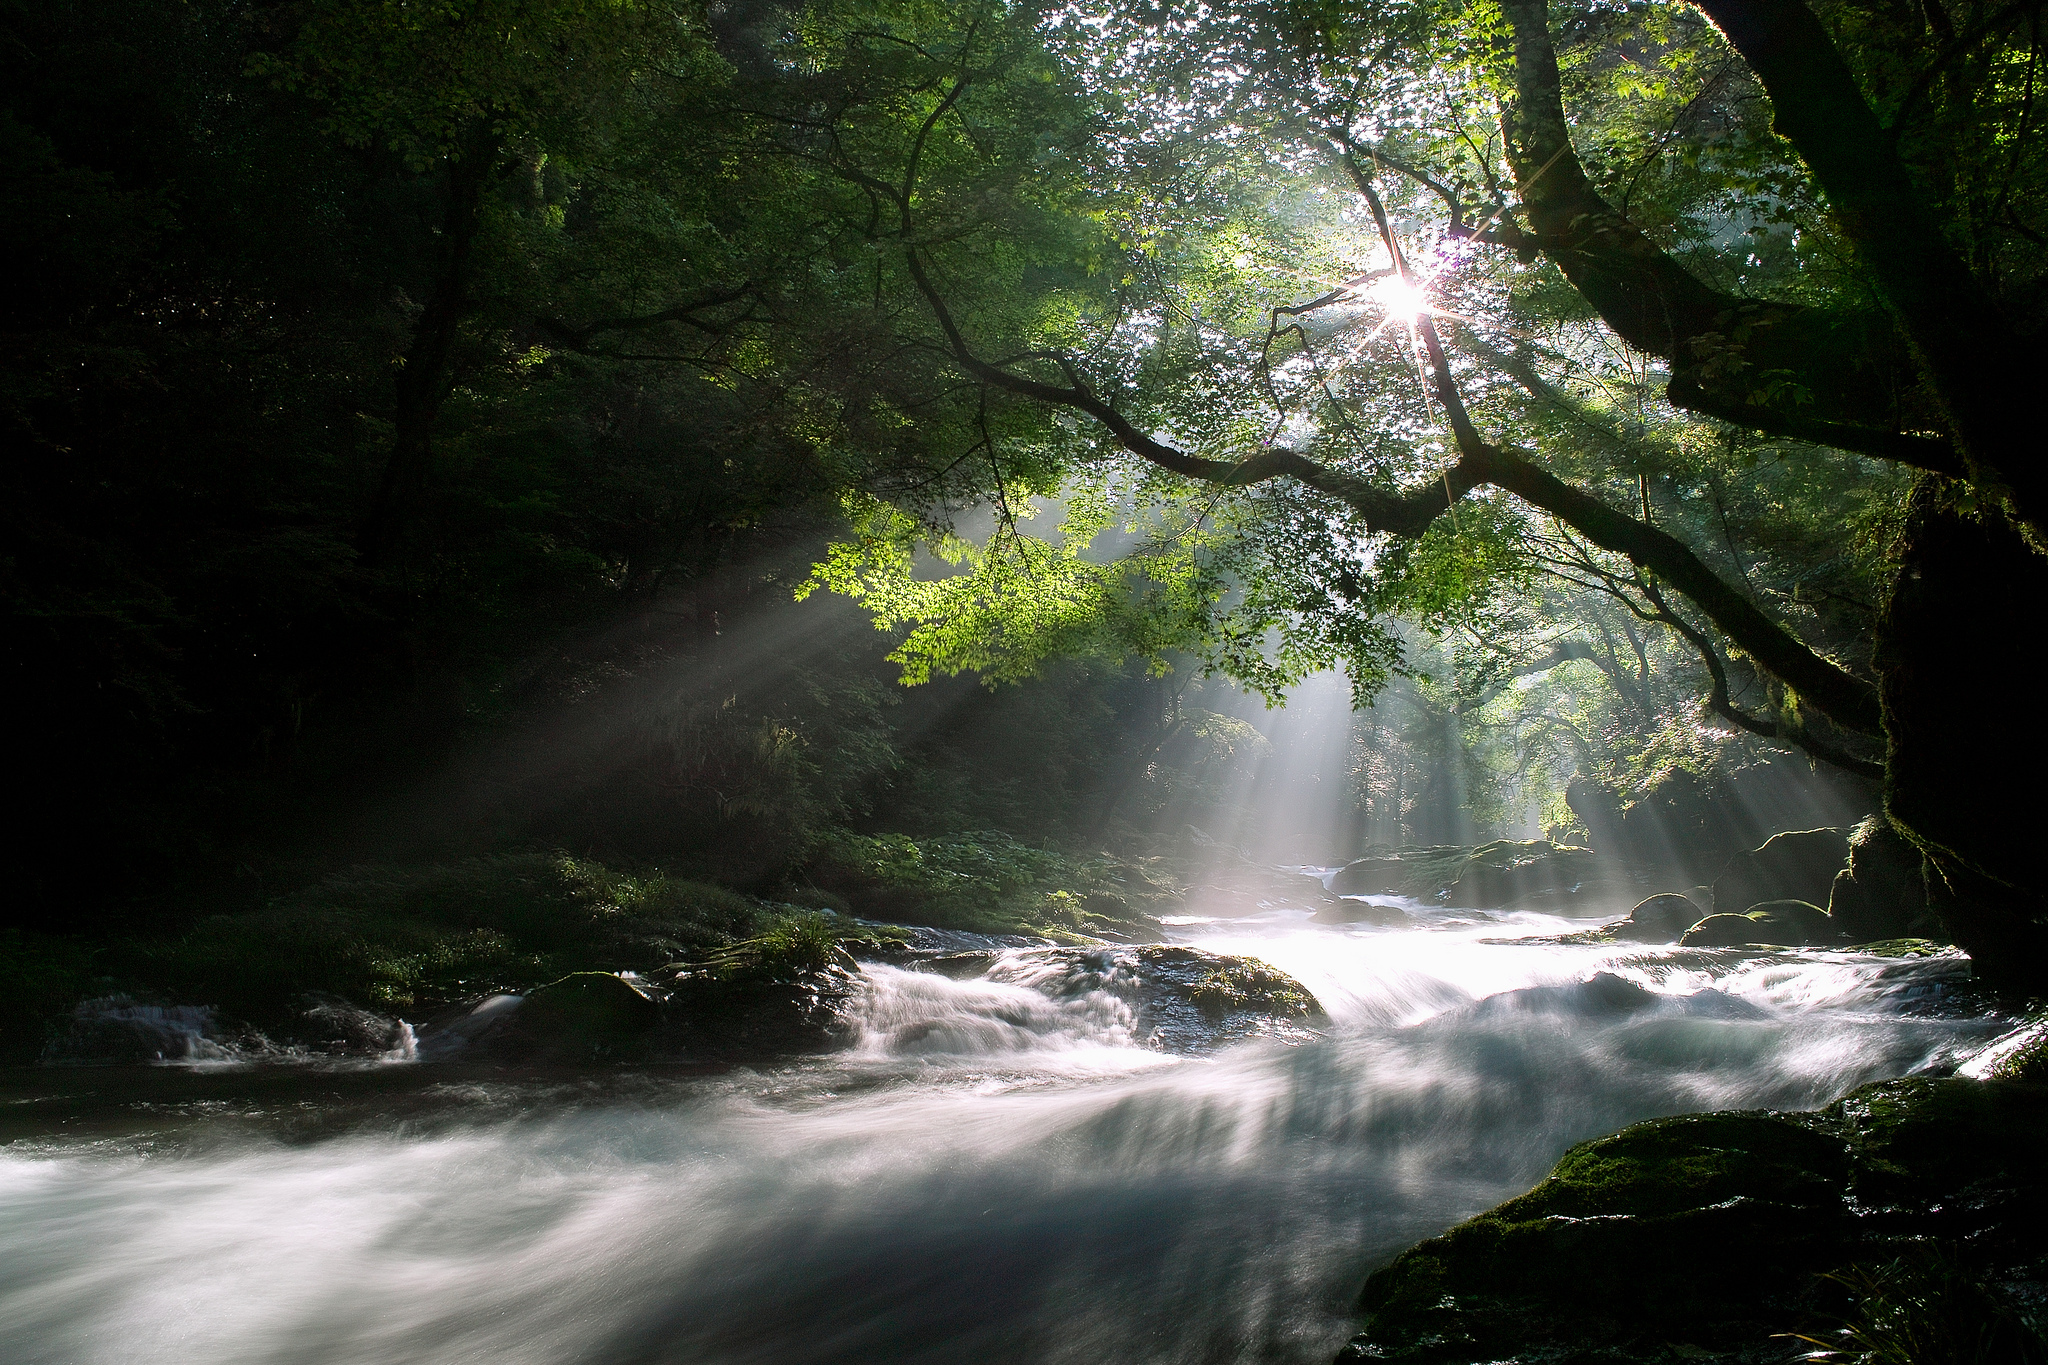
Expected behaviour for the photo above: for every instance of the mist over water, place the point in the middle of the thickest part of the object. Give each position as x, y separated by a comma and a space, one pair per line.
987, 1172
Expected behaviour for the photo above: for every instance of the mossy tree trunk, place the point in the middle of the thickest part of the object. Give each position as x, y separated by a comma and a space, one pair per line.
1955, 651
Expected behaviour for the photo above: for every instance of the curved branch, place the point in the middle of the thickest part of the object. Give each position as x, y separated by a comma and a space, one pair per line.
576, 338
1718, 701
1842, 371
1846, 699
1978, 366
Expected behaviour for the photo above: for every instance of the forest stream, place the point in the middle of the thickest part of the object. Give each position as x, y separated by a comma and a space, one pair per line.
992, 1169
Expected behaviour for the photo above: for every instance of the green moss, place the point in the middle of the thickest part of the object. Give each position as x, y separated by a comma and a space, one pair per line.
1245, 984
1904, 947
1712, 1226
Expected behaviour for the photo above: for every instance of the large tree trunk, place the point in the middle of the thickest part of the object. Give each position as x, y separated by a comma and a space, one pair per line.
427, 376
1968, 745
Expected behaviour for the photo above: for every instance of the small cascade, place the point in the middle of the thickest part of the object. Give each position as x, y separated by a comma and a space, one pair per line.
118, 1028
1007, 1161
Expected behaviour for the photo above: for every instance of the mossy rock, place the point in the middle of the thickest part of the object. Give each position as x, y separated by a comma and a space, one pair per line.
1715, 1228
1220, 985
1721, 931
1659, 919
1882, 893
1796, 865
583, 1015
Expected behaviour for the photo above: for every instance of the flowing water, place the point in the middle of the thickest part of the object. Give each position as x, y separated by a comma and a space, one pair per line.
985, 1174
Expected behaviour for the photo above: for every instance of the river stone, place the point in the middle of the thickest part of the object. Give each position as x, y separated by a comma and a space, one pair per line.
1714, 1229
1183, 999
1882, 893
1796, 924
1343, 910
1797, 865
1659, 919
1720, 931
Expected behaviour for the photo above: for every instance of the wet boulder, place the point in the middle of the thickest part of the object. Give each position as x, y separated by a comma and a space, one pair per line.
342, 1028
1797, 865
1714, 1229
1354, 910
1778, 924
1181, 999
585, 1016
1882, 893
1660, 919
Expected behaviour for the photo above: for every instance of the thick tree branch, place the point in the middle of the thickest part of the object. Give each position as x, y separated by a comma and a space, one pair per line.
1840, 695
576, 338
1785, 368
1719, 703
1977, 363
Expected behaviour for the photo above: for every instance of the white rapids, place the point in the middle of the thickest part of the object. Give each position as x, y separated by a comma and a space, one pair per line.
984, 1174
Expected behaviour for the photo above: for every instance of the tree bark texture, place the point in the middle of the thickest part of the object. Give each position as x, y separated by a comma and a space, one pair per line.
1840, 378
1958, 645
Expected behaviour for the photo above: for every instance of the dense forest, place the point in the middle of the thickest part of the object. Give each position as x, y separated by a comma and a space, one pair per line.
507, 488
382, 379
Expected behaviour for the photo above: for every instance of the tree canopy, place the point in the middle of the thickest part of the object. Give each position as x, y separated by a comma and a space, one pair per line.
1583, 373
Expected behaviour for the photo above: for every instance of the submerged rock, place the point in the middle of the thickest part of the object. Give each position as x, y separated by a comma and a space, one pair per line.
1604, 996
1712, 1229
599, 1017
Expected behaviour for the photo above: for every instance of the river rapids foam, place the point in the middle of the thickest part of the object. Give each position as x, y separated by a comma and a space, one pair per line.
989, 1171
